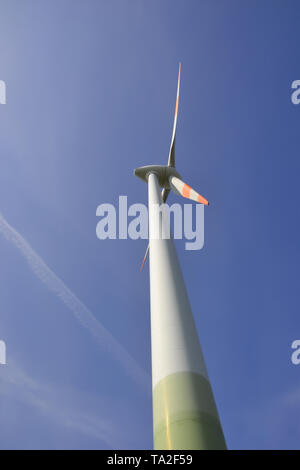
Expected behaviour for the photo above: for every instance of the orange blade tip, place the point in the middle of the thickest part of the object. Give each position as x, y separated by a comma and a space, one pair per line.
142, 265
202, 200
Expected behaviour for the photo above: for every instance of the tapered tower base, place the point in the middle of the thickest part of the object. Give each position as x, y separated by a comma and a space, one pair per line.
184, 411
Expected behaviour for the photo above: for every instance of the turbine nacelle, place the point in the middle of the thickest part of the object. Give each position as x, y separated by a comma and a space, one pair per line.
163, 173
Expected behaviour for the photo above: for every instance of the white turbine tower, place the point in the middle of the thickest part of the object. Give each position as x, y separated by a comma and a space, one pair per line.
184, 410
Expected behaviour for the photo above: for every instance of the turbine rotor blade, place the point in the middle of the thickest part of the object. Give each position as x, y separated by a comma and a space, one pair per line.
171, 160
165, 194
145, 257
183, 189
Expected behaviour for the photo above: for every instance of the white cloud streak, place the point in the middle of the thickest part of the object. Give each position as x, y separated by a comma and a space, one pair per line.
103, 337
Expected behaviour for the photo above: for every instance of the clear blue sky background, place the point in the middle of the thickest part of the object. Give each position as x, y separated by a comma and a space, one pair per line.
90, 96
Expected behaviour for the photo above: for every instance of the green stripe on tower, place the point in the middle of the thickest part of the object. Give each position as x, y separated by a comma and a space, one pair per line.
185, 414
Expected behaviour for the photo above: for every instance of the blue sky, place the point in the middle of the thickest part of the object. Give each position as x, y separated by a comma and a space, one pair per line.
90, 96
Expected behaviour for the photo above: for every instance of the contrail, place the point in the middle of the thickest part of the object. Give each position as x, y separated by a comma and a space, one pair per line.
103, 337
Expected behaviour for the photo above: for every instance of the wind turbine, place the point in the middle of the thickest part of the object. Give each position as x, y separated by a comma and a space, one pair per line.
185, 415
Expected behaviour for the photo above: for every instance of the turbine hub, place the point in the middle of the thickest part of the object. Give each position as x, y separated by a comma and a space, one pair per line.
163, 174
